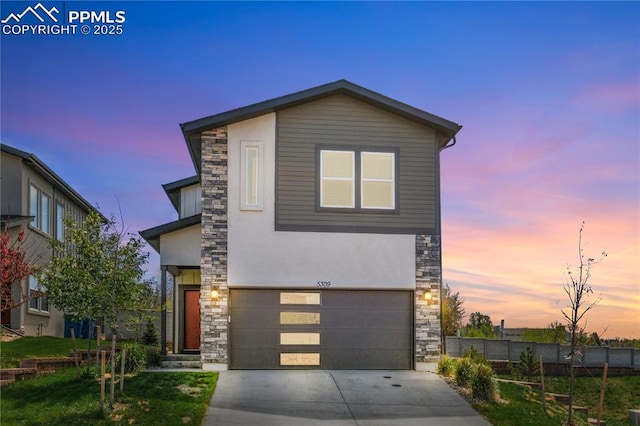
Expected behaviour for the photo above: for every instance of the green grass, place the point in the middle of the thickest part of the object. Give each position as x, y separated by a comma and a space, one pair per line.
160, 398
524, 404
35, 347
621, 395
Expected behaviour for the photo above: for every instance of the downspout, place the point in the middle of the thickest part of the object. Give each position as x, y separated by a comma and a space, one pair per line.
442, 335
163, 310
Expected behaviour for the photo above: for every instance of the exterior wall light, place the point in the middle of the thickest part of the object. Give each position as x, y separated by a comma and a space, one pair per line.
215, 295
427, 296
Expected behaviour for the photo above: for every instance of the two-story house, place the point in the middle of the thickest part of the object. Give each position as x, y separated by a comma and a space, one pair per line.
35, 199
310, 235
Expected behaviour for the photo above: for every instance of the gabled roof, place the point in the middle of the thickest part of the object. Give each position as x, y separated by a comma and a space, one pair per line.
172, 189
43, 170
192, 129
152, 235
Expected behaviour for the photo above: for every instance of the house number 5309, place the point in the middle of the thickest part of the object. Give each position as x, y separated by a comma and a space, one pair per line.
323, 284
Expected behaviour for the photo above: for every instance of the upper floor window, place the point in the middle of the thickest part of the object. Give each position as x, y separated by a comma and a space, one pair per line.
190, 201
251, 175
59, 221
378, 180
39, 208
353, 179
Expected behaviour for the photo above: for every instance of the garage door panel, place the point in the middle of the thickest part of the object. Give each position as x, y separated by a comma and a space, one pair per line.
382, 319
248, 338
363, 360
255, 317
380, 299
366, 339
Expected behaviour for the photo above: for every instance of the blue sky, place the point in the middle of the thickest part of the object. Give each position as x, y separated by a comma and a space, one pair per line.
548, 94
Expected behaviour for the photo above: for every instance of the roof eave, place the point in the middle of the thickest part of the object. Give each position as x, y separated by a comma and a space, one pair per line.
192, 129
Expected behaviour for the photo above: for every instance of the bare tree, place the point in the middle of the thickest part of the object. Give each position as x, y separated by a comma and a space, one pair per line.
577, 288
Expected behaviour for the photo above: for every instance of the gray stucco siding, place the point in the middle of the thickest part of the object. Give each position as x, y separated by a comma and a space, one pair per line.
342, 121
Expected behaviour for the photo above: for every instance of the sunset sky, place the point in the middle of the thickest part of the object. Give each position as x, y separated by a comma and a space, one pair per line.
548, 94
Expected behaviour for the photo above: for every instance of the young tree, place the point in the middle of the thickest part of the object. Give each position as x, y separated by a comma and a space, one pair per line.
452, 311
14, 267
577, 289
479, 325
96, 271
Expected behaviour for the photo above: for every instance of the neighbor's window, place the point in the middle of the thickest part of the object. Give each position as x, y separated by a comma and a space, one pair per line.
357, 179
39, 208
59, 221
251, 175
37, 296
337, 180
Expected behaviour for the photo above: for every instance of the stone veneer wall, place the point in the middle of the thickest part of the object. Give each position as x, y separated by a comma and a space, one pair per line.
213, 262
427, 313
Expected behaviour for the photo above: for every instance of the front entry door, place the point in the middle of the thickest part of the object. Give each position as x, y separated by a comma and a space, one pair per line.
192, 320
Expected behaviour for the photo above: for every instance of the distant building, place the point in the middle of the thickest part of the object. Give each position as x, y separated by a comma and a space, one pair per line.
34, 198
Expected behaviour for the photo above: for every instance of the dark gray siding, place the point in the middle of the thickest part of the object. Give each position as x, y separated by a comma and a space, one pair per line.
342, 120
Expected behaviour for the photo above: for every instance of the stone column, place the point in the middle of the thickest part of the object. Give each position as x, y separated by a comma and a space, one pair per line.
213, 262
428, 341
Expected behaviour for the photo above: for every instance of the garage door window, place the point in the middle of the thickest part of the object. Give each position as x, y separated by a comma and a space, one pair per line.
300, 359
298, 298
299, 318
299, 338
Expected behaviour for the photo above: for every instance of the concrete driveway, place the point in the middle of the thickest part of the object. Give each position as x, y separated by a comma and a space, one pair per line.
319, 397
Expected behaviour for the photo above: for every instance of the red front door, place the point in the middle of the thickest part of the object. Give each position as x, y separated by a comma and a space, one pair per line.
192, 319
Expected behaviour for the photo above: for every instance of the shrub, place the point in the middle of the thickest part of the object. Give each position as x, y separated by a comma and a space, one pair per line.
483, 385
135, 358
528, 366
475, 356
152, 357
150, 336
446, 365
464, 371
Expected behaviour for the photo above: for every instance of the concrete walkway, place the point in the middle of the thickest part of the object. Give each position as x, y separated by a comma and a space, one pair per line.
318, 397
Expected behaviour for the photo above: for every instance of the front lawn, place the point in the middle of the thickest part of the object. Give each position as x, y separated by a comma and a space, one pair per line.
524, 404
149, 398
36, 347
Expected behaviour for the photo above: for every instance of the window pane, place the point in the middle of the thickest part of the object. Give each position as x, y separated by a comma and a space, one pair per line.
252, 175
300, 359
377, 194
60, 222
34, 207
299, 338
337, 164
287, 298
337, 193
377, 165
33, 292
44, 303
299, 318
45, 213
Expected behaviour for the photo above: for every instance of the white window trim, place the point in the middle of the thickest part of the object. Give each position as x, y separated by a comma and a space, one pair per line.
392, 180
259, 176
352, 179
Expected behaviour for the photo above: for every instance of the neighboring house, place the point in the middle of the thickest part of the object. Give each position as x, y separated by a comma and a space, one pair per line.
310, 235
34, 198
